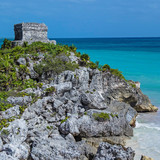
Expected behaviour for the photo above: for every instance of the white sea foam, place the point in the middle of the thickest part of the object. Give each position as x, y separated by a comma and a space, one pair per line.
147, 125
146, 139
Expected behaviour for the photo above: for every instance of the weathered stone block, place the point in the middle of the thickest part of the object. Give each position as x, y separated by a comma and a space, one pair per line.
30, 32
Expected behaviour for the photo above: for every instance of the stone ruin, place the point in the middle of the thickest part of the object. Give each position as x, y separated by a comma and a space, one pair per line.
30, 32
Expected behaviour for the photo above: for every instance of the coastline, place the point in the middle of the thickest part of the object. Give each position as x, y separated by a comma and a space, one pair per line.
138, 124
146, 136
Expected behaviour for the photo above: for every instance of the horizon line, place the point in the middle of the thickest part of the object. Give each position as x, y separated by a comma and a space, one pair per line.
88, 37
97, 37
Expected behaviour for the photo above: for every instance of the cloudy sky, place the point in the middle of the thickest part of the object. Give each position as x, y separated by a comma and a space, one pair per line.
84, 18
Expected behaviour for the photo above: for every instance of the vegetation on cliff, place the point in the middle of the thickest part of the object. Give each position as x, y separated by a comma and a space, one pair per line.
87, 100
52, 62
47, 58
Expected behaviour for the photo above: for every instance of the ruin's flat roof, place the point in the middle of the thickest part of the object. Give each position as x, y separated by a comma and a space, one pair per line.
31, 23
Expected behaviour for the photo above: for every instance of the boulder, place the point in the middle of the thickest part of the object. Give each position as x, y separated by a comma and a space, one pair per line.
19, 100
11, 112
88, 126
112, 152
122, 91
146, 158
21, 61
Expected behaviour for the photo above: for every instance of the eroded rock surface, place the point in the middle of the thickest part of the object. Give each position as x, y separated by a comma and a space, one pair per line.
60, 123
107, 151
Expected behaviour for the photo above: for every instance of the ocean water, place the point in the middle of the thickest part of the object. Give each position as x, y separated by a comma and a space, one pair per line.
139, 60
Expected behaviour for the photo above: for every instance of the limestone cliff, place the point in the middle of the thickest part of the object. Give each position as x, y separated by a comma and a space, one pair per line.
56, 119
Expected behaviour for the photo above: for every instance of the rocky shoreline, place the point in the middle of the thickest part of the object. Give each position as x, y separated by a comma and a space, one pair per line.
82, 114
55, 104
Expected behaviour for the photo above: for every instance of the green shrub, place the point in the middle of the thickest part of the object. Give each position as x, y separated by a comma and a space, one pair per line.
54, 65
118, 73
7, 44
3, 95
9, 66
40, 85
5, 132
25, 44
85, 57
5, 122
50, 89
92, 65
35, 99
73, 48
22, 109
4, 106
101, 116
132, 84
30, 83
78, 54
106, 67
87, 91
85, 113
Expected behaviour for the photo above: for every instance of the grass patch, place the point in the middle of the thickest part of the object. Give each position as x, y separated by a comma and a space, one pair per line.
5, 132
5, 122
50, 90
103, 116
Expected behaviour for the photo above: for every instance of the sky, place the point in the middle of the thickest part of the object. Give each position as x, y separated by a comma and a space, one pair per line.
84, 18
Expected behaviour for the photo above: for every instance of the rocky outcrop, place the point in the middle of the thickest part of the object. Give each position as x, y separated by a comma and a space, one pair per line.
124, 92
87, 126
85, 106
112, 152
146, 158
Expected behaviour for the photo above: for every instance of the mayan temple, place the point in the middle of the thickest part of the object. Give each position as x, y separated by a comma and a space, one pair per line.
30, 32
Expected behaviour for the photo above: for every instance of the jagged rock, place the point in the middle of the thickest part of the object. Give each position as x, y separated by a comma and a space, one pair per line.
16, 133
19, 100
20, 151
146, 158
87, 126
82, 75
70, 138
85, 100
21, 61
5, 156
124, 109
73, 58
37, 92
112, 152
123, 92
95, 141
96, 81
62, 124
55, 146
1, 144
13, 138
14, 111
63, 87
32, 72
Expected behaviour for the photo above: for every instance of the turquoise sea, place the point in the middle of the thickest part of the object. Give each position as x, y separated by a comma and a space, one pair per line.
139, 60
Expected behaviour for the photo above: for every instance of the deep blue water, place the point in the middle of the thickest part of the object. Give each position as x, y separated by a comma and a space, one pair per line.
139, 60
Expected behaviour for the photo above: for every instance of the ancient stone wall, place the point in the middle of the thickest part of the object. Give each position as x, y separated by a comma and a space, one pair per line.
30, 32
